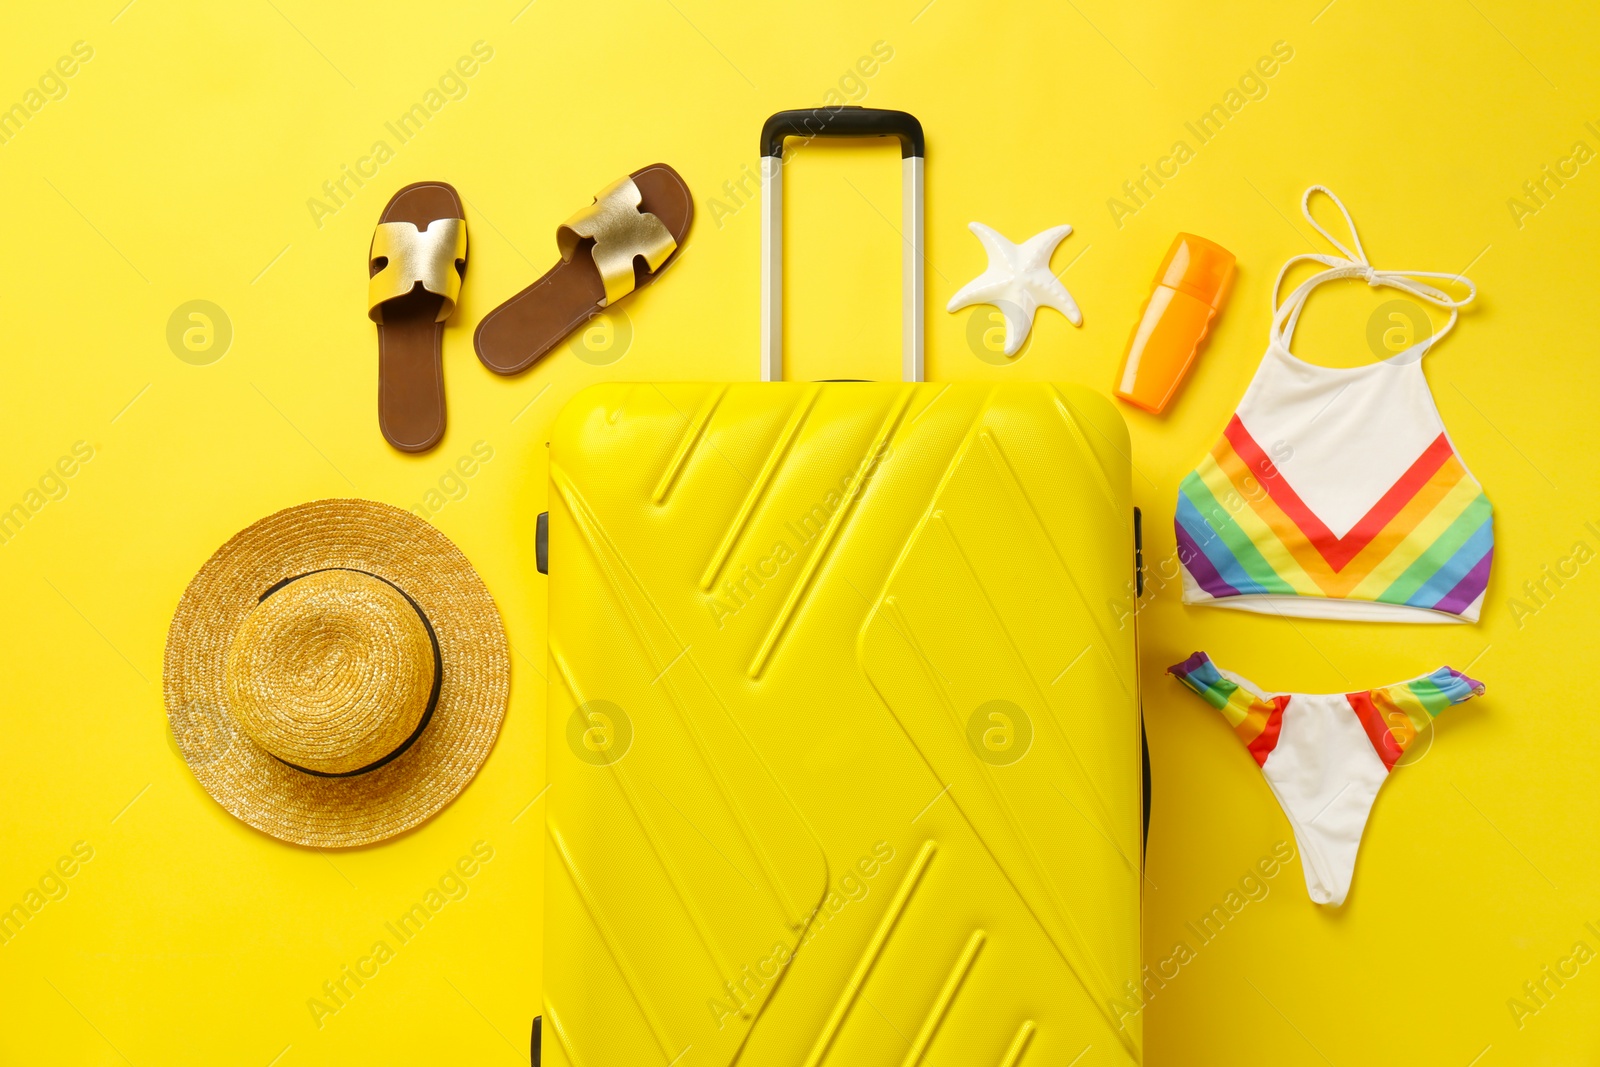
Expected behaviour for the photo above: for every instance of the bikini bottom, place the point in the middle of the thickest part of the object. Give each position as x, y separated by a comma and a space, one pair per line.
1326, 755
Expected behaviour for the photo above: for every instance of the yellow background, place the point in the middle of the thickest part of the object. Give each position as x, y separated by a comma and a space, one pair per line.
179, 164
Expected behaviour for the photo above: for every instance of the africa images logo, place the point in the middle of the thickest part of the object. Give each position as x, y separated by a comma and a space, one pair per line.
452, 85
599, 733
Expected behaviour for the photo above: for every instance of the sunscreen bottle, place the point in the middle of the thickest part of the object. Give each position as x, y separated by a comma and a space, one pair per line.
1189, 290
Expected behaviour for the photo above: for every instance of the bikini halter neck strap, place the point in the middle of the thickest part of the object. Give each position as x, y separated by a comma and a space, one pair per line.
1353, 263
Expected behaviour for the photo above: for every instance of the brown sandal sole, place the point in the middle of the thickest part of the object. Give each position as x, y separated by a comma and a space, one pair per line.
411, 410
521, 331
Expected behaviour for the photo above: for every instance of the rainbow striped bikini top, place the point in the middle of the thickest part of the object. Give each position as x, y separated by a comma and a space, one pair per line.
1336, 492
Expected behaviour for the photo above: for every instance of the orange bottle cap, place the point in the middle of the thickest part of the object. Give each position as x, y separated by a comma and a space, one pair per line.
1198, 267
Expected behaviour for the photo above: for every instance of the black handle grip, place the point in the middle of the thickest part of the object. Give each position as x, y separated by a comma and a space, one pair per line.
843, 121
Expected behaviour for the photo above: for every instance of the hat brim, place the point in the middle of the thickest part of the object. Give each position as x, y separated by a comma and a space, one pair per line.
268, 794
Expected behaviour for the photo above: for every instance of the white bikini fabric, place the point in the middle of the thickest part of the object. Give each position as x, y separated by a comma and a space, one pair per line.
1326, 755
1336, 492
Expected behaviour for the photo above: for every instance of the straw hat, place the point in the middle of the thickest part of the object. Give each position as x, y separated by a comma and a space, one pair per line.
336, 673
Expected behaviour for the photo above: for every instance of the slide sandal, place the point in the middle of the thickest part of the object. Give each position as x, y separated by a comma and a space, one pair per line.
418, 258
622, 241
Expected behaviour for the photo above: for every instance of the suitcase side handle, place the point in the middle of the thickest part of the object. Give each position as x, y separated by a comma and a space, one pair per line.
841, 122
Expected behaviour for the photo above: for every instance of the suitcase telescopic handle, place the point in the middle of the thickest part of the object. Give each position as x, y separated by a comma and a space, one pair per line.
840, 122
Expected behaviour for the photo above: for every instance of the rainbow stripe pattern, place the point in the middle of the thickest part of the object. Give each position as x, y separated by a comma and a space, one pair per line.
1427, 543
1255, 719
1391, 715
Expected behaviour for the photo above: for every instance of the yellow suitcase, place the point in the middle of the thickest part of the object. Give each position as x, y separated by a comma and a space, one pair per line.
843, 727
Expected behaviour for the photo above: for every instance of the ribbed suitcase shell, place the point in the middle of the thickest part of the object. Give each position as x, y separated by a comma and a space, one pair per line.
843, 728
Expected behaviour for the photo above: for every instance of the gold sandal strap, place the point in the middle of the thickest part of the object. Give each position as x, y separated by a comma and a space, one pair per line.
409, 256
621, 233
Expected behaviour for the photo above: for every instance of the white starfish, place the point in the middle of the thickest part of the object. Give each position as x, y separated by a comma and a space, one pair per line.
1018, 281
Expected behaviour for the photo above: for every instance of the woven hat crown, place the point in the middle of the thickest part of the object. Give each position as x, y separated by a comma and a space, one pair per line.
332, 671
